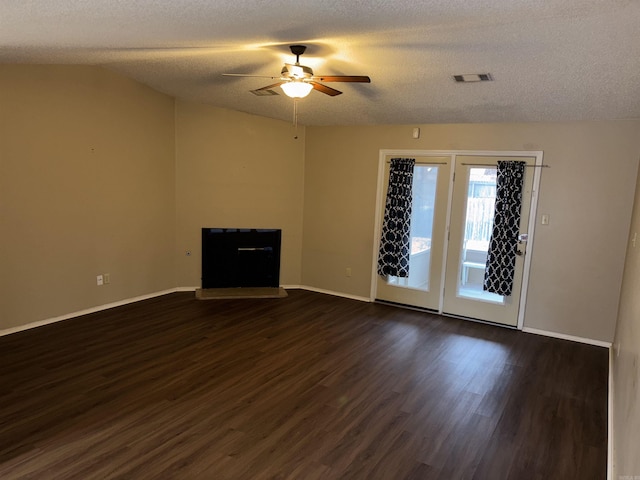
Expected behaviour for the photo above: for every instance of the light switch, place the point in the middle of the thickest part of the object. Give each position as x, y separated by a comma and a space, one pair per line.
545, 219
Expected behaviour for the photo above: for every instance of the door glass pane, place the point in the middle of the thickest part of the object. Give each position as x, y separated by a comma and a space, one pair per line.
425, 179
481, 199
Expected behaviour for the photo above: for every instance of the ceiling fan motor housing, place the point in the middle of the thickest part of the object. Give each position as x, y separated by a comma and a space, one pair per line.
294, 72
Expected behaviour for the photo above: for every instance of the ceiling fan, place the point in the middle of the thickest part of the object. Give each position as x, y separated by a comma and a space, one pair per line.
298, 80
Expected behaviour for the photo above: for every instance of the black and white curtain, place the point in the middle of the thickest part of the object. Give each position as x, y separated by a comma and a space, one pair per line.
395, 242
501, 258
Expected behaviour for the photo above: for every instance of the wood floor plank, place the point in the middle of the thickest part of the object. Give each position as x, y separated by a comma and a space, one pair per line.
305, 387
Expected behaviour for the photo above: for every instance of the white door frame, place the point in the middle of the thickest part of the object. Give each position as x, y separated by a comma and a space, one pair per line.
453, 154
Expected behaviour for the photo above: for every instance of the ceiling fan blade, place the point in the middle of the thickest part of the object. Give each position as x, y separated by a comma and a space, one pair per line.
247, 75
269, 87
342, 78
324, 89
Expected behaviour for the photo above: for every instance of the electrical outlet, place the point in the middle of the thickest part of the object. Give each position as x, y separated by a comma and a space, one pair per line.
348, 272
107, 278
100, 280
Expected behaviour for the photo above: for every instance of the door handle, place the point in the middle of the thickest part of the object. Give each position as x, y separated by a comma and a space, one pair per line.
520, 253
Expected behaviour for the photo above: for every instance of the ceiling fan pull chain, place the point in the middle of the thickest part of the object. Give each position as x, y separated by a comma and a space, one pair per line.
295, 117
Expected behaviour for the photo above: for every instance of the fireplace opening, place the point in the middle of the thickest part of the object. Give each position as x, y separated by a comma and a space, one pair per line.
237, 258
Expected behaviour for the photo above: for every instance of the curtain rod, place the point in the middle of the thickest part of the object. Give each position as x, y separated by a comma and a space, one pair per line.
494, 165
475, 164
426, 163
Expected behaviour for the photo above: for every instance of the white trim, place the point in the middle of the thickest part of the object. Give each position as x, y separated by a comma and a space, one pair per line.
331, 292
119, 303
533, 208
610, 419
447, 232
377, 227
107, 306
563, 336
87, 311
380, 205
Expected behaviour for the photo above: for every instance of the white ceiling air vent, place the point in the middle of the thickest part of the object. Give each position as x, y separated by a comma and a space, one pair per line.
264, 93
473, 77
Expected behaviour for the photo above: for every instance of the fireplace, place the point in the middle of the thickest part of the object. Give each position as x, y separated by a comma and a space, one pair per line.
235, 257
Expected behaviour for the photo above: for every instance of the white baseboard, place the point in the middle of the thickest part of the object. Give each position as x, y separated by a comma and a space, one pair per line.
186, 289
588, 341
610, 419
328, 292
107, 306
126, 301
99, 308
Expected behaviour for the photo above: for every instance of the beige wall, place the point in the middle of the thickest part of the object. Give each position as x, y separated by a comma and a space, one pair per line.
97, 176
235, 170
86, 187
626, 359
577, 259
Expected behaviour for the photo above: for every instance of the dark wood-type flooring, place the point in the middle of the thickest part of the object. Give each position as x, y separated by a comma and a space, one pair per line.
306, 387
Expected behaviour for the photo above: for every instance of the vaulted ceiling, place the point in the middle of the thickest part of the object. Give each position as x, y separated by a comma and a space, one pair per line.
551, 60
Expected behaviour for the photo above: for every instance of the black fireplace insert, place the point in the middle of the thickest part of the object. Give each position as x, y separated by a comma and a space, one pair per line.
237, 257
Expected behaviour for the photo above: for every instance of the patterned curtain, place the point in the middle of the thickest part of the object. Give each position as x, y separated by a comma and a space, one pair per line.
501, 258
395, 244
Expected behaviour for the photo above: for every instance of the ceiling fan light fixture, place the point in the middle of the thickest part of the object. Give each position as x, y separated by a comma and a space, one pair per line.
296, 89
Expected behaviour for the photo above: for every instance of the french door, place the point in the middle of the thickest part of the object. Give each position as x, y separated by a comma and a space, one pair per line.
431, 178
451, 224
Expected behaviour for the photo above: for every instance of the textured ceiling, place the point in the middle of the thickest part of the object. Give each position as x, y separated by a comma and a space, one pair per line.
551, 59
